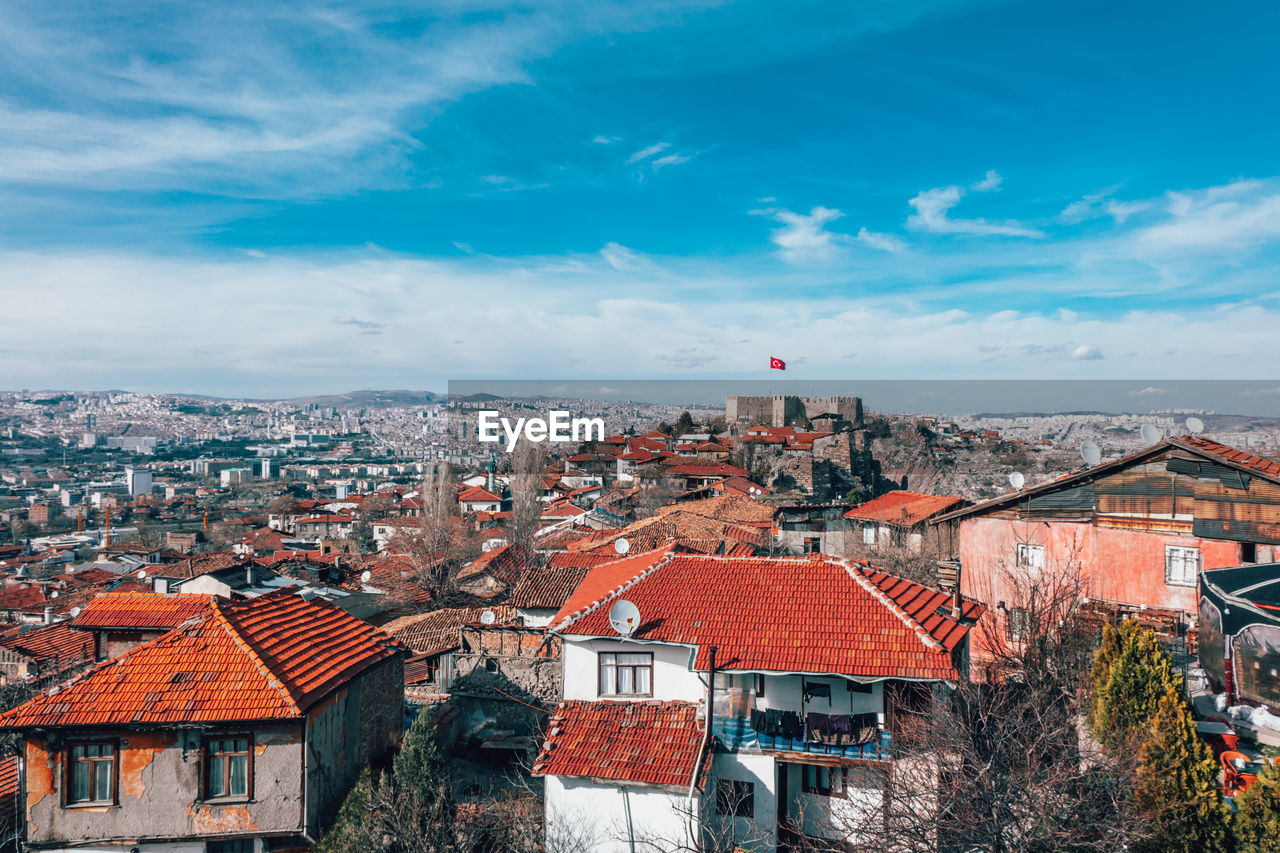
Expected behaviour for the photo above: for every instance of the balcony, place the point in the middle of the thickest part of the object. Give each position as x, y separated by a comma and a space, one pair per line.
736, 733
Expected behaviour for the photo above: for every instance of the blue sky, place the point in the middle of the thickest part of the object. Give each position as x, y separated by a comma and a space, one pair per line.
236, 199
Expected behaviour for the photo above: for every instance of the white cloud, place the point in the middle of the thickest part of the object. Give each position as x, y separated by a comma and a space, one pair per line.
1149, 391
1236, 215
605, 140
804, 239
646, 153
991, 181
620, 257
884, 242
671, 160
1095, 205
289, 345
931, 214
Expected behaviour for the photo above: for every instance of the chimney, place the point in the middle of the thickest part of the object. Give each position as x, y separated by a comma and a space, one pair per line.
48, 615
248, 575
957, 600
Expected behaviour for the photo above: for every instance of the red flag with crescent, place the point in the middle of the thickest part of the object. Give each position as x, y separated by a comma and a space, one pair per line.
777, 364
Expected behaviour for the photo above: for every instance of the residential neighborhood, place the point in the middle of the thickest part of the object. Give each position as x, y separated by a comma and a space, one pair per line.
680, 638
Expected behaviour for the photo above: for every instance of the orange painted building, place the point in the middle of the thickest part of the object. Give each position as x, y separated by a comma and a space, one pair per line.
1133, 533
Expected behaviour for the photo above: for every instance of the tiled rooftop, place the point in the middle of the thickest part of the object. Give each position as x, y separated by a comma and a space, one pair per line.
267, 658
655, 743
141, 610
904, 508
814, 614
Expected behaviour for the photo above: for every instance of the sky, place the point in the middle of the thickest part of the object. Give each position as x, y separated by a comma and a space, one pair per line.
284, 199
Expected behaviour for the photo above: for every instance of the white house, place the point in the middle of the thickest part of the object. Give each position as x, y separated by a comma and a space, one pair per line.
479, 499
812, 657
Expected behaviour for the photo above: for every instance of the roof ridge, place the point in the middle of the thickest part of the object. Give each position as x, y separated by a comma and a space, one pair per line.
233, 631
896, 609
626, 585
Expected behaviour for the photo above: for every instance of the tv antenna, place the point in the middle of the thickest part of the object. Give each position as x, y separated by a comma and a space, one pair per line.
622, 546
1195, 426
1017, 480
488, 617
624, 617
1150, 433
1090, 453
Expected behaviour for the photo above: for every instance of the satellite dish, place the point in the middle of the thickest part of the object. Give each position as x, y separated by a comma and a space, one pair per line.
365, 575
1150, 433
75, 611
1195, 426
142, 574
488, 617
1017, 480
53, 594
1090, 452
622, 546
624, 617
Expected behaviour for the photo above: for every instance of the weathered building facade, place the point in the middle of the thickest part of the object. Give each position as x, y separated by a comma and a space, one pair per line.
1135, 531
235, 732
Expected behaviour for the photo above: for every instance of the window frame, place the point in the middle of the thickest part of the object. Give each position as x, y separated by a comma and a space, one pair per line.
208, 757
1017, 624
731, 792
71, 763
837, 785
601, 665
1025, 549
868, 534
1169, 552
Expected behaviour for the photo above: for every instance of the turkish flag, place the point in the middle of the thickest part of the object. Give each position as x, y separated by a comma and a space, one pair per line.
777, 364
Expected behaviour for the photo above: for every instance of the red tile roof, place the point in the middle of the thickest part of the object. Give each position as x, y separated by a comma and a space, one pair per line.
654, 743
548, 586
478, 494
813, 614
140, 610
579, 559
267, 658
440, 630
505, 564
608, 577
1265, 467
904, 508
59, 642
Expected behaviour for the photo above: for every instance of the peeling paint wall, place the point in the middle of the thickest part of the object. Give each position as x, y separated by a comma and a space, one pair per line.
159, 788
347, 732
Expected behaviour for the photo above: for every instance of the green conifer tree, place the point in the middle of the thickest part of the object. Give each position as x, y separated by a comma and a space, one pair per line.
1140, 675
1176, 784
1257, 823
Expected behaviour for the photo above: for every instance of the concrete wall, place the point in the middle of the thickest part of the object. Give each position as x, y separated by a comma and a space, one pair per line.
158, 789
583, 816
349, 730
672, 678
758, 832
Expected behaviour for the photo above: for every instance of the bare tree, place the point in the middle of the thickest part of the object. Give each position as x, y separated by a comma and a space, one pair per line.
440, 543
1004, 764
528, 467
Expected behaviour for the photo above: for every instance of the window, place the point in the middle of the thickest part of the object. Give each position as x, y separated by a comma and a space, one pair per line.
626, 674
735, 798
1030, 556
229, 766
1248, 552
824, 781
812, 544
1019, 623
92, 771
868, 535
1181, 565
234, 845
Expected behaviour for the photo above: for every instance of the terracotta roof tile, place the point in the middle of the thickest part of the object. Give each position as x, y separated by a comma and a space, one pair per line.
655, 743
814, 614
141, 610
440, 630
59, 642
548, 586
904, 508
266, 658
